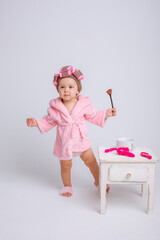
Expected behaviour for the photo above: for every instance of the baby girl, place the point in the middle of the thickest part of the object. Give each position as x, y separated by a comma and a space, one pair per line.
69, 112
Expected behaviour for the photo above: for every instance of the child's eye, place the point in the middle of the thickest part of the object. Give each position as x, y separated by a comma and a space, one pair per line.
70, 86
62, 87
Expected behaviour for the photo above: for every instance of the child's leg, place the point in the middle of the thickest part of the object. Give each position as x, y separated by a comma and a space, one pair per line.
66, 174
90, 161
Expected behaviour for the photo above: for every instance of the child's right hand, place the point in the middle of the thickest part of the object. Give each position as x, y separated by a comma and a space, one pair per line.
31, 122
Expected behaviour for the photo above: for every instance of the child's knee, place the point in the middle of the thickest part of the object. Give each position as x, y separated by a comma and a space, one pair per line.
66, 165
90, 162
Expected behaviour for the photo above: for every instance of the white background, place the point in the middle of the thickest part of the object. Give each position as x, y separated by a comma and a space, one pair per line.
116, 45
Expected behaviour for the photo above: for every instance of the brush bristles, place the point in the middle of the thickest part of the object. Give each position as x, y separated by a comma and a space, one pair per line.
109, 92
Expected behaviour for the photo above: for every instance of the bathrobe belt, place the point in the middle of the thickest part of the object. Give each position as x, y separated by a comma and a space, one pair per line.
71, 125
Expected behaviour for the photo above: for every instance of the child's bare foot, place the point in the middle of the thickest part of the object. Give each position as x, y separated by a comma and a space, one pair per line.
107, 187
66, 192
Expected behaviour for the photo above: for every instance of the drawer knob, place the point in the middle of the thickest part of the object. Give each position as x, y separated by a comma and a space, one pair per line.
128, 175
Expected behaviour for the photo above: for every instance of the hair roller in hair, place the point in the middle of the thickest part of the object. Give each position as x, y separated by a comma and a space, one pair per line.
65, 71
55, 79
78, 74
66, 68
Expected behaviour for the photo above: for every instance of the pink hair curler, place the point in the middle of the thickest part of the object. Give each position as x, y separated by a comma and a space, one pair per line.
77, 73
55, 79
110, 150
125, 151
66, 69
66, 72
145, 154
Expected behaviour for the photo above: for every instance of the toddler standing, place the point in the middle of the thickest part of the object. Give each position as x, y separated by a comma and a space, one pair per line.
69, 112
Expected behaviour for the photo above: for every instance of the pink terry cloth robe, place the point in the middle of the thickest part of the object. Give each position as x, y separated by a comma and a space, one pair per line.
72, 135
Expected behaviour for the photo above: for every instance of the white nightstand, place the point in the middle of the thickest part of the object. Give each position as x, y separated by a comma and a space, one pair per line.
118, 169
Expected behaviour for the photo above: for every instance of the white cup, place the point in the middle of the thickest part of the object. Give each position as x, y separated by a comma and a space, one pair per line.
125, 142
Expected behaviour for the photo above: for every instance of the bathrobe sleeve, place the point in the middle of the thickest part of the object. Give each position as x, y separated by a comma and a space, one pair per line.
46, 123
94, 116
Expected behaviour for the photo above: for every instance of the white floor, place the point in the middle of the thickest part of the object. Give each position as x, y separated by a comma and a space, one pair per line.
31, 208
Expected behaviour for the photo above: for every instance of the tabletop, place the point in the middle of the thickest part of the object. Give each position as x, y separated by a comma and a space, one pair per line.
114, 157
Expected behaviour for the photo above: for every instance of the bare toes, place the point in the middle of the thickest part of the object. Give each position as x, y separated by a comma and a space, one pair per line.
66, 194
108, 188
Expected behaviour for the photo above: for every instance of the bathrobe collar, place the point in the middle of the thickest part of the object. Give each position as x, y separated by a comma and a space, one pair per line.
82, 103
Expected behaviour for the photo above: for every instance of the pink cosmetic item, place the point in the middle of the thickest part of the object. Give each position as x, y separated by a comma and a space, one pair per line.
125, 151
144, 154
110, 150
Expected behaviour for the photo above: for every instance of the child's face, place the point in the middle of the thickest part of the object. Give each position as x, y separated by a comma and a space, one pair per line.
67, 89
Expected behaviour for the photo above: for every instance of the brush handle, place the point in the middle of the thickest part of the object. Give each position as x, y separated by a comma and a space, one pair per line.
111, 101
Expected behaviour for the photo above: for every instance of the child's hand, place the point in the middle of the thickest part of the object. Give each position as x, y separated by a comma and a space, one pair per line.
31, 122
111, 112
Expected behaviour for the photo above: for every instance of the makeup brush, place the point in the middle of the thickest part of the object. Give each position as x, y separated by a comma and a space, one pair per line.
109, 92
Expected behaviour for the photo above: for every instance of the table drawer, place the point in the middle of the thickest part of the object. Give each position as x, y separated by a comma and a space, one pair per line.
128, 173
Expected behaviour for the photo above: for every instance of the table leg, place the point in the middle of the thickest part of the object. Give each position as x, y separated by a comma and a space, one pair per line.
144, 190
102, 181
151, 186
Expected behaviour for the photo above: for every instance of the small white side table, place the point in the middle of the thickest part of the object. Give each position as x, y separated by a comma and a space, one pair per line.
118, 169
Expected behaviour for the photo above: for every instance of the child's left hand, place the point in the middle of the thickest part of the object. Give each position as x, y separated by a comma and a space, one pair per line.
111, 112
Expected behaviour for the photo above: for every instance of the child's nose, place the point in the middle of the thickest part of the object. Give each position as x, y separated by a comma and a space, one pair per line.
66, 89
